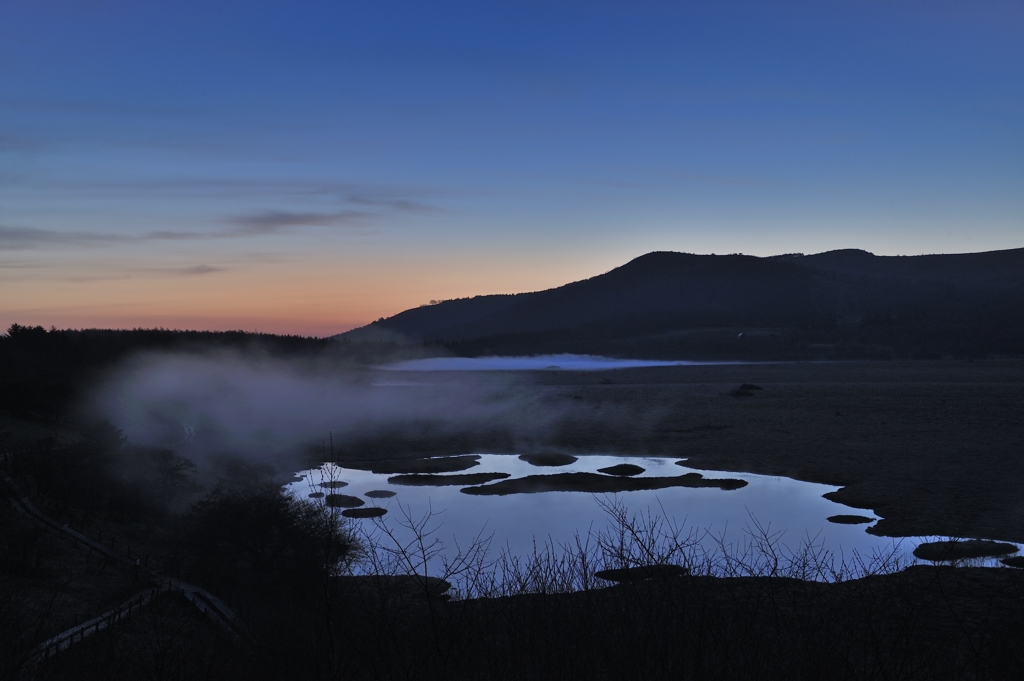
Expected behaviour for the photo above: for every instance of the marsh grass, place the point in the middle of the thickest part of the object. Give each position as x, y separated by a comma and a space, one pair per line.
409, 545
754, 608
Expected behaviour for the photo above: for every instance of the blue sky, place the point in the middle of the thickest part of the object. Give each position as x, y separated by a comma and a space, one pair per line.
308, 167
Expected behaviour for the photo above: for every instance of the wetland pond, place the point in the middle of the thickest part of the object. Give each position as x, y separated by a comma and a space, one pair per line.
523, 502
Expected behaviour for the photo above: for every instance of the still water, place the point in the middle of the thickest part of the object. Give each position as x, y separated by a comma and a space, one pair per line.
793, 513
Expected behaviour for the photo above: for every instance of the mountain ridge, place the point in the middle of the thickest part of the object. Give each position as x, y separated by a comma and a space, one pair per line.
868, 305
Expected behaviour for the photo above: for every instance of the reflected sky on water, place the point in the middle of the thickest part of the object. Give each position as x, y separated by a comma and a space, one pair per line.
791, 511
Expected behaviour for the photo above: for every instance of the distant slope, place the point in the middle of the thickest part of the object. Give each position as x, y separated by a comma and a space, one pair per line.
846, 303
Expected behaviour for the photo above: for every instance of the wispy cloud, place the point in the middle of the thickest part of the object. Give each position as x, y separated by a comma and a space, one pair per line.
28, 238
398, 204
78, 107
7, 265
194, 271
713, 179
339, 193
350, 207
114, 273
270, 221
24, 238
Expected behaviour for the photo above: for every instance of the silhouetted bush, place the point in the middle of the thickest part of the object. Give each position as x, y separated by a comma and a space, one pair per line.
260, 536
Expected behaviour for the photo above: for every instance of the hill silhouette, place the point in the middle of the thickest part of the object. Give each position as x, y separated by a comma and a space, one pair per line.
838, 304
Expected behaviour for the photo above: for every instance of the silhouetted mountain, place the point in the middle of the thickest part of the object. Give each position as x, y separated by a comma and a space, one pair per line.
846, 303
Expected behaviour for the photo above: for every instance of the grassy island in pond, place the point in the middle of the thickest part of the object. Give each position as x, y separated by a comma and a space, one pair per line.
599, 484
426, 480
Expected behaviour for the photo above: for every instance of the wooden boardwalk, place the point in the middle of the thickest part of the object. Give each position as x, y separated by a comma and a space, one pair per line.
212, 607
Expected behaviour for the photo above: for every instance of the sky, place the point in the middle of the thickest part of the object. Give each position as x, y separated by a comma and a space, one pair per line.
309, 167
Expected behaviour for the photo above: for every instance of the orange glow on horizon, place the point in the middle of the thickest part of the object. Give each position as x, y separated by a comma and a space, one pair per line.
309, 299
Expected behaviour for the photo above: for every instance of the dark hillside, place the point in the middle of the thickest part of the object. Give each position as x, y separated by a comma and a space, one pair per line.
422, 322
976, 269
838, 304
762, 292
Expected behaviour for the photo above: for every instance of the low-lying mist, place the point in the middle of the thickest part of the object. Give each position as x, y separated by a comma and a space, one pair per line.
562, 362
286, 412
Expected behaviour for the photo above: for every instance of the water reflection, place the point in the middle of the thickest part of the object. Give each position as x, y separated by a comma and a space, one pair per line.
792, 512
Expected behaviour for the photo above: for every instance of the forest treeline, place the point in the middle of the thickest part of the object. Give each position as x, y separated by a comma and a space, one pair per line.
44, 373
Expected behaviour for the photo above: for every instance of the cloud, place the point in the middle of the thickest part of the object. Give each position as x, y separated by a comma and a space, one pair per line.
397, 204
365, 204
113, 273
370, 205
713, 179
271, 221
27, 238
23, 238
360, 194
196, 270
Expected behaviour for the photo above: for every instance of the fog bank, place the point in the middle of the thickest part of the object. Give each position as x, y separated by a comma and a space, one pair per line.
280, 411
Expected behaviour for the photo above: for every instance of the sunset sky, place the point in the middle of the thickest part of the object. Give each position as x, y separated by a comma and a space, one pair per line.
308, 167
